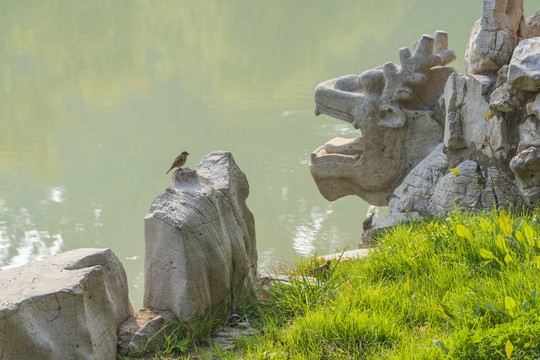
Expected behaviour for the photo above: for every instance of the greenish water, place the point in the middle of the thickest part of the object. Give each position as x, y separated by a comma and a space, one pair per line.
98, 97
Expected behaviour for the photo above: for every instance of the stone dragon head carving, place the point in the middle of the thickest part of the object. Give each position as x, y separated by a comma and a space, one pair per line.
395, 109
431, 138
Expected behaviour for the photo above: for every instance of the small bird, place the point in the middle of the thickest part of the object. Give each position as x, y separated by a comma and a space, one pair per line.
179, 161
367, 223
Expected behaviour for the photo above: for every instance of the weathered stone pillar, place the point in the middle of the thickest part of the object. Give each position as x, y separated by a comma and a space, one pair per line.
200, 240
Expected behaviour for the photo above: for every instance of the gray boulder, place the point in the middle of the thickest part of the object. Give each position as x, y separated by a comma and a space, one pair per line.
494, 36
526, 167
533, 25
67, 306
417, 188
524, 69
200, 250
144, 332
466, 108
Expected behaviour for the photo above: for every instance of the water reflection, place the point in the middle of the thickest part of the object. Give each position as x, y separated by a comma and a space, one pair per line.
37, 221
36, 245
306, 234
319, 234
295, 112
21, 242
97, 217
96, 95
57, 194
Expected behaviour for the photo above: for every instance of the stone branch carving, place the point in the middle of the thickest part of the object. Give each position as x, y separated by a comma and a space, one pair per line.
429, 52
420, 119
394, 108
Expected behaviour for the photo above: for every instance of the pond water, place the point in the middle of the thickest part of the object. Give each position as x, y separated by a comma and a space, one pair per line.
98, 97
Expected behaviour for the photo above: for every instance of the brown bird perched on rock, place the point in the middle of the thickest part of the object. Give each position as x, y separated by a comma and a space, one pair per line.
367, 223
179, 161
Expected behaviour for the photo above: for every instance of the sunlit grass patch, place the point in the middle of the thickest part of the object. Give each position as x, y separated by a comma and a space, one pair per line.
427, 291
461, 287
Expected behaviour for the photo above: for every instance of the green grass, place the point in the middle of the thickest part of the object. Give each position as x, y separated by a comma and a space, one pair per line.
179, 338
462, 287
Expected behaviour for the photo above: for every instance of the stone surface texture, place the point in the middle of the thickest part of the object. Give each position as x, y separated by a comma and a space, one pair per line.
494, 36
200, 250
533, 25
412, 192
466, 108
393, 106
473, 142
526, 167
524, 69
67, 306
144, 332
506, 98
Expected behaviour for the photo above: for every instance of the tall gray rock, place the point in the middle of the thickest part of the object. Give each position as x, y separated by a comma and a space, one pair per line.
494, 36
67, 306
524, 69
200, 240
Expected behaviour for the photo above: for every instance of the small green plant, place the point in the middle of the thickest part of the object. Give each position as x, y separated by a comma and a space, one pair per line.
180, 337
312, 283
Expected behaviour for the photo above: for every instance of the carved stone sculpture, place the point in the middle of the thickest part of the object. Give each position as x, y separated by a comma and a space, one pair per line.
433, 139
393, 106
200, 251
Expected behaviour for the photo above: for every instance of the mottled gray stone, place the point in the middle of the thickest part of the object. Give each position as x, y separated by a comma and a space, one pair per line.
533, 107
529, 130
533, 26
144, 332
524, 69
500, 189
200, 250
67, 306
393, 107
466, 108
494, 36
417, 188
456, 190
526, 167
